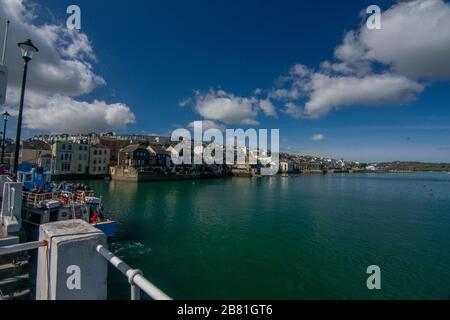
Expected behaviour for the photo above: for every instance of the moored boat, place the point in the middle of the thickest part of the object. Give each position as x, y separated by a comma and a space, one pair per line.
45, 202
98, 218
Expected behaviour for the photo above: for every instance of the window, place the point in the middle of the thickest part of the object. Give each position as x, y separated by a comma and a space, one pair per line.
65, 167
66, 156
94, 169
79, 168
63, 146
81, 148
85, 148
69, 147
80, 157
95, 152
62, 156
95, 161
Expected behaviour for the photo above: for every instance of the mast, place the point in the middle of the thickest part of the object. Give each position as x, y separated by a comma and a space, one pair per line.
5, 42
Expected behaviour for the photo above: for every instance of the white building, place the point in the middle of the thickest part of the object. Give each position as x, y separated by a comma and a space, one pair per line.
79, 159
70, 158
286, 166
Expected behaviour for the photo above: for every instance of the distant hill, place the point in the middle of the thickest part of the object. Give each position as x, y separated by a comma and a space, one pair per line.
415, 166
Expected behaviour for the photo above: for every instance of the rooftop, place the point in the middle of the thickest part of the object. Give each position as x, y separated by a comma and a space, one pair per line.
29, 145
158, 149
132, 148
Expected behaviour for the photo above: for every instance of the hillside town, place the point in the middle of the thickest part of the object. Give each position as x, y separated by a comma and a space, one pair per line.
143, 157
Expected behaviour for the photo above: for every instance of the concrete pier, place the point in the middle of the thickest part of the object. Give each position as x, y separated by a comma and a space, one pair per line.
70, 268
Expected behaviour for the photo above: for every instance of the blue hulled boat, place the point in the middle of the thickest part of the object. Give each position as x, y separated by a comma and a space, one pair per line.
42, 203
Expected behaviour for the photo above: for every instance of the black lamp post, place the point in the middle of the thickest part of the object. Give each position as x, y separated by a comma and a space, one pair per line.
28, 49
5, 119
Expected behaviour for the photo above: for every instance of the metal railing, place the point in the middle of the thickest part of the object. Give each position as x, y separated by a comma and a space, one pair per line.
16, 248
33, 198
135, 277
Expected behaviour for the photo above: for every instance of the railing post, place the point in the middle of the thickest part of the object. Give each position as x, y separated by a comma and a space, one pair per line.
135, 292
70, 267
135, 277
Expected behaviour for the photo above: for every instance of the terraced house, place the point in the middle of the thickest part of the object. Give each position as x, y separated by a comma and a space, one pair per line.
70, 158
80, 159
134, 155
99, 157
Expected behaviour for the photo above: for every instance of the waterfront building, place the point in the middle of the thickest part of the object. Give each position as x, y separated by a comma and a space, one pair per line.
245, 170
87, 138
159, 140
30, 151
69, 158
79, 159
301, 166
99, 157
114, 145
160, 157
171, 150
46, 161
286, 166
135, 155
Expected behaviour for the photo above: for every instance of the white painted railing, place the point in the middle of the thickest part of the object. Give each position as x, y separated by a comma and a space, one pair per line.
135, 277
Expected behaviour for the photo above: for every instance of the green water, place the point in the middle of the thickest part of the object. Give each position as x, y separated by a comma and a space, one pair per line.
302, 237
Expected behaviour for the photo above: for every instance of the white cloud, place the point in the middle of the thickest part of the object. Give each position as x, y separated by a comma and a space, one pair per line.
325, 92
413, 46
218, 107
329, 93
59, 113
318, 137
60, 72
207, 124
414, 39
293, 110
258, 91
267, 107
185, 102
227, 108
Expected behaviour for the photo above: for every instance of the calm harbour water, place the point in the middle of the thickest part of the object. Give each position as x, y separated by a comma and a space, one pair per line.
296, 237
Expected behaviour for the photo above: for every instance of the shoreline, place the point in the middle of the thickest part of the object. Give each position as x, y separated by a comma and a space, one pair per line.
211, 177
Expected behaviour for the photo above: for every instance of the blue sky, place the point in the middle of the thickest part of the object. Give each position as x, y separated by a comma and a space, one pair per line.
154, 54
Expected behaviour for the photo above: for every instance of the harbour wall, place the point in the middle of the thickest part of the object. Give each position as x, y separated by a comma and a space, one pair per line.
134, 175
